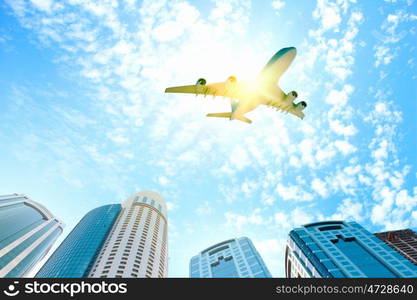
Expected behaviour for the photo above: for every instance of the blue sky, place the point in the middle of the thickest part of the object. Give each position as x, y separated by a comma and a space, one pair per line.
85, 122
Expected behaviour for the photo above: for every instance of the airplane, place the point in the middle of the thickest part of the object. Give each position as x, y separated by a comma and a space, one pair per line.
246, 96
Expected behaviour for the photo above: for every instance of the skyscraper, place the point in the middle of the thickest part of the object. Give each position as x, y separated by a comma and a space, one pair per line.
403, 241
232, 258
342, 249
27, 232
78, 252
137, 244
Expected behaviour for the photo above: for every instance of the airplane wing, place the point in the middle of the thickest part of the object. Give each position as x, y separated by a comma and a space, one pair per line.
277, 65
214, 89
292, 109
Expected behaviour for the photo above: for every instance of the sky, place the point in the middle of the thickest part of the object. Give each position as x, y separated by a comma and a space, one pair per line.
85, 121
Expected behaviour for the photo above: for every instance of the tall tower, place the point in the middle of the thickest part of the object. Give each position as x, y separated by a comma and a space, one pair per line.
342, 249
137, 244
76, 255
232, 258
404, 241
27, 232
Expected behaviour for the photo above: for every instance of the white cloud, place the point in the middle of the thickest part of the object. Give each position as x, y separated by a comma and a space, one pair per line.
293, 192
404, 200
381, 152
345, 147
341, 129
185, 17
386, 51
171, 206
118, 136
383, 55
342, 181
339, 98
205, 209
294, 161
163, 180
267, 199
287, 220
277, 5
239, 158
272, 252
301, 217
349, 210
329, 15
319, 186
44, 5
282, 220
306, 151
237, 221
249, 187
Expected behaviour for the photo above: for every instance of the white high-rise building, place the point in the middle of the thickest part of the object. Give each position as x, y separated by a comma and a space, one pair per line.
137, 244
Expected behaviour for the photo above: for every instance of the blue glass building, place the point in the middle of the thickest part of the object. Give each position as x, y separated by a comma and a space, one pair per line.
27, 232
232, 258
76, 255
342, 249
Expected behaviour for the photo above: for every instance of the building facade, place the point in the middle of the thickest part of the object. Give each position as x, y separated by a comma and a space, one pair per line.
342, 249
236, 258
402, 241
137, 244
27, 232
76, 255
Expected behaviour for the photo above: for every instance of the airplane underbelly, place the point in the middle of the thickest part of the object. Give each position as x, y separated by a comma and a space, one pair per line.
245, 107
270, 95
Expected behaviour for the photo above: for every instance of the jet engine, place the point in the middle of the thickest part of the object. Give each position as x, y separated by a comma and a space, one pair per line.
231, 83
231, 79
201, 81
301, 105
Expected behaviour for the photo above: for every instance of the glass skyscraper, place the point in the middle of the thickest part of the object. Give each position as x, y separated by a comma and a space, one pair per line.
236, 258
342, 249
27, 232
111, 241
76, 255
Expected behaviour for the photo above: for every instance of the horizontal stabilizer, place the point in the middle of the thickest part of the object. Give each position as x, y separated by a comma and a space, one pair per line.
220, 115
